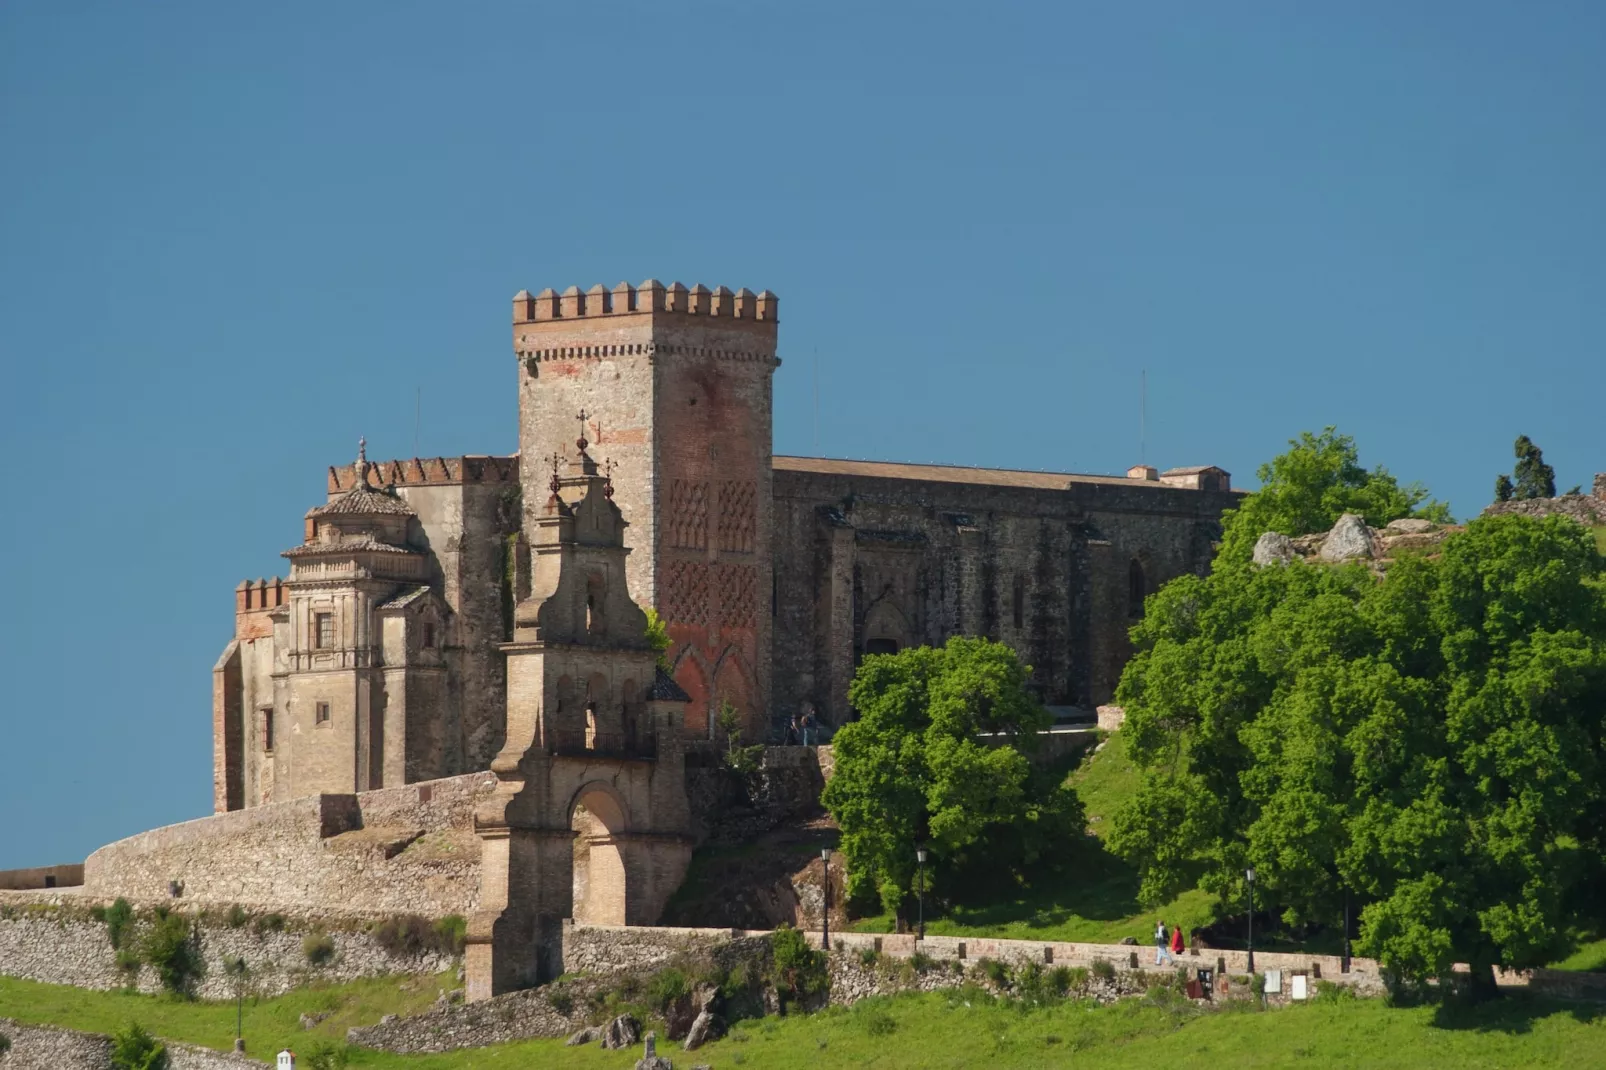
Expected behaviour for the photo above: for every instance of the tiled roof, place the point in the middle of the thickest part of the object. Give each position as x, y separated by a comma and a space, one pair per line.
407, 597
365, 501
365, 544
664, 689
946, 473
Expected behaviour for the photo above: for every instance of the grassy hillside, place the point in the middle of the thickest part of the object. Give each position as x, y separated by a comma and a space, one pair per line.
925, 1031
1092, 899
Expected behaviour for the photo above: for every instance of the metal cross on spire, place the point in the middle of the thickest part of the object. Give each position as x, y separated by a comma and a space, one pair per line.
557, 459
581, 441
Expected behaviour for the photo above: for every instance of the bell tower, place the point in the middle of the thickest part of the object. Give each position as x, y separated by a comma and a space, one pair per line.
676, 385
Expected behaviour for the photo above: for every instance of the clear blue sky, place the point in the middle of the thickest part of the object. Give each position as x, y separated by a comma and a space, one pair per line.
234, 237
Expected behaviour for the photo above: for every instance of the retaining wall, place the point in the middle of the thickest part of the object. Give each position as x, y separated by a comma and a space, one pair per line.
64, 945
66, 876
43, 1047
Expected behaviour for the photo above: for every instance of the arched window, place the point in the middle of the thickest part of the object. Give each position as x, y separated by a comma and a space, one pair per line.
1020, 602
594, 601
1136, 589
881, 645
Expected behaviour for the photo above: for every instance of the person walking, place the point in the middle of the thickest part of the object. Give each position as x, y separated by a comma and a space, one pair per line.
1176, 943
1162, 949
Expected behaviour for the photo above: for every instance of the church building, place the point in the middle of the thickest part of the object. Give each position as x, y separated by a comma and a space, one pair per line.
381, 659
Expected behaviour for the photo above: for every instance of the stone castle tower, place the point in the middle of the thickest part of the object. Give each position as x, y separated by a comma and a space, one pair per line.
675, 384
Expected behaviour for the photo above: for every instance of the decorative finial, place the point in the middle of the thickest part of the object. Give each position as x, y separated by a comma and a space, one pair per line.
581, 441
557, 459
362, 462
607, 487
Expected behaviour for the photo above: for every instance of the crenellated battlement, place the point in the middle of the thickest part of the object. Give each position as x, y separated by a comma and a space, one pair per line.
651, 296
262, 595
428, 471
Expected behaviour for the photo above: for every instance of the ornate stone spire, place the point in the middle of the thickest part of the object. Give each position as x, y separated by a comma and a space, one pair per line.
362, 462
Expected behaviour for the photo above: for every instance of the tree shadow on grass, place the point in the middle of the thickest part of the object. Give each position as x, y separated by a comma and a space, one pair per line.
1511, 1012
1096, 885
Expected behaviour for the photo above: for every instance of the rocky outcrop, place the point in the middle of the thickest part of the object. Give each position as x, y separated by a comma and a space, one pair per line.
1588, 509
1273, 548
1348, 540
623, 1032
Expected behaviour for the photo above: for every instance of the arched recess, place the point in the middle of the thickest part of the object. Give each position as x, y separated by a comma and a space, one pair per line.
598, 817
733, 683
1137, 588
886, 629
693, 679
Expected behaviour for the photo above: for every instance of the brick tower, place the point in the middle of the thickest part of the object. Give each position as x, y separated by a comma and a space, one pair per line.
674, 385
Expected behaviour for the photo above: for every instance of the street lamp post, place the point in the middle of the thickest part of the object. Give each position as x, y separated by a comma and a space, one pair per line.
1345, 967
825, 910
1249, 879
920, 893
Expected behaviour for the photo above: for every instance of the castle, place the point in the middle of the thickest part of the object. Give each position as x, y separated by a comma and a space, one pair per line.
382, 659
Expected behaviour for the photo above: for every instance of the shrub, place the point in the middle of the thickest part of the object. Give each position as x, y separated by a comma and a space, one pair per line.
169, 949
562, 1000
268, 923
1076, 979
921, 961
135, 1049
1059, 980
404, 934
319, 947
1104, 969
799, 969
666, 986
878, 1023
119, 919
236, 917
451, 934
869, 956
5, 1043
325, 1055
1332, 992
995, 971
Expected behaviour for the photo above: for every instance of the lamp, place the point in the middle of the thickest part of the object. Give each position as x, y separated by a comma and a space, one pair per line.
1249, 881
920, 892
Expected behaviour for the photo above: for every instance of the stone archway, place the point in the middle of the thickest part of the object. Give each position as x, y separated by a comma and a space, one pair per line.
599, 820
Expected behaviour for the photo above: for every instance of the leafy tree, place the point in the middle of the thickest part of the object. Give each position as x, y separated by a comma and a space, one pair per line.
168, 947
913, 770
135, 1049
1503, 488
729, 722
1431, 742
1533, 477
658, 637
1316, 481
799, 970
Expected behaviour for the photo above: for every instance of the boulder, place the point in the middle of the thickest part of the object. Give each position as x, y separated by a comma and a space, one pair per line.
1273, 548
1409, 525
584, 1036
1129, 941
704, 1029
1349, 540
622, 1032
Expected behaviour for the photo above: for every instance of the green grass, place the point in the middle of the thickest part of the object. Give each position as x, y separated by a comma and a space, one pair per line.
937, 1030
1589, 957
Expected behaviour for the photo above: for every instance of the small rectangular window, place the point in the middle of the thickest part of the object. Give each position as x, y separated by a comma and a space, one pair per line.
321, 713
1020, 601
267, 729
324, 630
428, 642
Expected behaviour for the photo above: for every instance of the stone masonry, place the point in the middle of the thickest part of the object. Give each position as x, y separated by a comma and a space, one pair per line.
377, 662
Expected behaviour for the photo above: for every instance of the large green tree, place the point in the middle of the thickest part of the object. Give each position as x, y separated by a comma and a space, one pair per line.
1430, 743
1317, 480
914, 769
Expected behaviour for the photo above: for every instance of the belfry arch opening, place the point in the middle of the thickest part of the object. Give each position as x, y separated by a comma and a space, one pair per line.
598, 820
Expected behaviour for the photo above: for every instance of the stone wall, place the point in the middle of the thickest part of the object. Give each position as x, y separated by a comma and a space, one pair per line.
64, 945
729, 807
1587, 509
396, 850
43, 1047
66, 876
873, 556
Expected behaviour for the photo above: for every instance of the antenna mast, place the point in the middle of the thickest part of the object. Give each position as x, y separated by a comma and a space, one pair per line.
1143, 416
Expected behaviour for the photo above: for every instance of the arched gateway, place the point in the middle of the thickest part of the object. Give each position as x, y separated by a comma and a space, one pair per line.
589, 819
